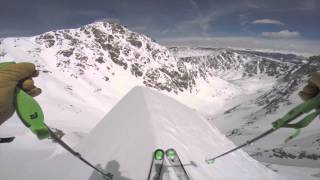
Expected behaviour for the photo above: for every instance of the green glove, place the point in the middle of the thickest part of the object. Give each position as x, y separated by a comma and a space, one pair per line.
312, 88
11, 76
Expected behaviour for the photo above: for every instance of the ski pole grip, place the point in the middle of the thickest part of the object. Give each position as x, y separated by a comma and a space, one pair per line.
29, 111
302, 108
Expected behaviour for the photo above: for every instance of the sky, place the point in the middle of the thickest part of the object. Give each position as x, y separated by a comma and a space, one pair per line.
190, 21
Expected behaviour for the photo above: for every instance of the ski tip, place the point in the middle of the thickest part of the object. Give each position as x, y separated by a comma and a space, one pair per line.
171, 153
159, 154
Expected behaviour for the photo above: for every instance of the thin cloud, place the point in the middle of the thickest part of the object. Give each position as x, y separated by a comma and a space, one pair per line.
196, 26
203, 23
267, 21
195, 5
281, 34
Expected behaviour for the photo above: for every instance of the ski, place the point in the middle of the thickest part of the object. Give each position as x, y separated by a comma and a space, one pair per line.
156, 165
176, 164
7, 139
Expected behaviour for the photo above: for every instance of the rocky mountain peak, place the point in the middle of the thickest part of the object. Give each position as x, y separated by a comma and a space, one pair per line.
102, 45
106, 49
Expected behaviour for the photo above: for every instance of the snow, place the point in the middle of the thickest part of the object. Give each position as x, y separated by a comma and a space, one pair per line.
145, 120
238, 118
77, 105
192, 52
295, 172
123, 142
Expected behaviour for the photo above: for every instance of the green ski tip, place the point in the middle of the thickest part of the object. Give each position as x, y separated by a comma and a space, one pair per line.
159, 154
171, 153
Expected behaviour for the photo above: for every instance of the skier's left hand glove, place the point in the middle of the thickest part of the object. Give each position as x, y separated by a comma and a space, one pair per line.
312, 89
11, 76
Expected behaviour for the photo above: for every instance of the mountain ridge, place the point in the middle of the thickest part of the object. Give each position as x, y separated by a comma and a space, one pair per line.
101, 47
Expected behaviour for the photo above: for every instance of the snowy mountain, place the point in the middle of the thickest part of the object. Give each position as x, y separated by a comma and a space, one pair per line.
102, 49
107, 59
86, 71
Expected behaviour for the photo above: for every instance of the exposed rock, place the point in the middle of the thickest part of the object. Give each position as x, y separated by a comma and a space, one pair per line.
133, 39
136, 70
67, 53
100, 60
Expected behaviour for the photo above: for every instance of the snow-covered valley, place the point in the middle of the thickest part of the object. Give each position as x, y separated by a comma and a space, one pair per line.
85, 72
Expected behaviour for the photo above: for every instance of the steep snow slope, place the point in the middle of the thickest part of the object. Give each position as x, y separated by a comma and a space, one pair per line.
142, 121
145, 120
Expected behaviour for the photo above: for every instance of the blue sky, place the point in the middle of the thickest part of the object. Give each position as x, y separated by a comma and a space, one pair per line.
169, 19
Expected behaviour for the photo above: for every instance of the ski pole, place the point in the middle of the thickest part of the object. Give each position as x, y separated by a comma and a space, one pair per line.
32, 116
210, 161
303, 108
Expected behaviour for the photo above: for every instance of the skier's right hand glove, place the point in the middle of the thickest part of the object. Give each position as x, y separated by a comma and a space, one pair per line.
11, 76
312, 89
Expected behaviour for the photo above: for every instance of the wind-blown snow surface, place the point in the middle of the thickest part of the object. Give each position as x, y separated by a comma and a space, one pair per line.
144, 120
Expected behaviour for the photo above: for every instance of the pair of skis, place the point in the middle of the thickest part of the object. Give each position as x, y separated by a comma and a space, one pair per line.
174, 162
